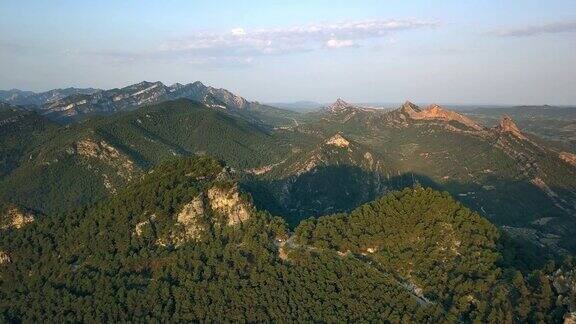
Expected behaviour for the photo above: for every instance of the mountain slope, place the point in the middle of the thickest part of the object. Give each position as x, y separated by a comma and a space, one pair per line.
20, 130
111, 262
554, 124
84, 162
335, 175
508, 176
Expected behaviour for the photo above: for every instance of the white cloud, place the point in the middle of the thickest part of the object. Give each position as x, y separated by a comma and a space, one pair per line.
533, 30
243, 43
238, 32
337, 43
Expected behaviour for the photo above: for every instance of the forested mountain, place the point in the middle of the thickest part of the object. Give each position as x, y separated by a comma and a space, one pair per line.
125, 217
509, 176
322, 162
184, 244
20, 131
83, 162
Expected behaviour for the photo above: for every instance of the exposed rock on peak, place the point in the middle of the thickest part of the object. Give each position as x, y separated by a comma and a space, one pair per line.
338, 140
219, 205
336, 151
191, 224
190, 218
89, 101
410, 108
507, 125
228, 202
339, 105
436, 112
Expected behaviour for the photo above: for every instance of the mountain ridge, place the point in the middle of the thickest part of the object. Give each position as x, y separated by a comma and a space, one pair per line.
70, 104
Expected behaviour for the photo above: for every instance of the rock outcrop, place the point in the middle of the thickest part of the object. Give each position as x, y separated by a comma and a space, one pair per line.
4, 258
339, 105
410, 109
569, 158
228, 202
338, 140
16, 218
191, 224
507, 125
191, 218
107, 154
436, 112
204, 211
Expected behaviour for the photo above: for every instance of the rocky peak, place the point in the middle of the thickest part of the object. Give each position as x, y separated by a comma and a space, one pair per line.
339, 105
507, 125
436, 112
435, 109
228, 202
191, 224
198, 84
410, 108
338, 140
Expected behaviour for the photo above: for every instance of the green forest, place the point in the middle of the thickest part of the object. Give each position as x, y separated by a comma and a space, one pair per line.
415, 255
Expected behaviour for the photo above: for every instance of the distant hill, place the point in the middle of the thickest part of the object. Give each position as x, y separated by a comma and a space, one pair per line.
554, 124
298, 106
66, 105
33, 99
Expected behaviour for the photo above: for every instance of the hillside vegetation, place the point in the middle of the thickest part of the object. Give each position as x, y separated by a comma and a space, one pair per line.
183, 244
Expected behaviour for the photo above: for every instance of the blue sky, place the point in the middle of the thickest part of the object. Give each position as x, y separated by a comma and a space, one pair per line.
491, 51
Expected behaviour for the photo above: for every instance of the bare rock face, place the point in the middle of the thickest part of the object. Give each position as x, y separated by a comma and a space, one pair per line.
227, 201
507, 125
338, 140
435, 112
569, 158
339, 105
106, 153
190, 217
16, 218
410, 109
190, 224
4, 258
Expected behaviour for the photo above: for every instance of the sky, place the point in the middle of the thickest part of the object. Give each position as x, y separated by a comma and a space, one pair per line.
458, 52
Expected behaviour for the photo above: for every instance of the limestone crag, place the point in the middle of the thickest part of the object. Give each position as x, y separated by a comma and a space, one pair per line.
16, 218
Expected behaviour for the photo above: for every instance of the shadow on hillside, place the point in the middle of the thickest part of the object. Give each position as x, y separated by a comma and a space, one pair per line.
333, 189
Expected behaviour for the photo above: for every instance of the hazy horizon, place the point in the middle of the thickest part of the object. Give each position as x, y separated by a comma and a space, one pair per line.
473, 53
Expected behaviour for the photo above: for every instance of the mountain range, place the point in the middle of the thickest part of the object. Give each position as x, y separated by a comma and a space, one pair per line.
65, 105
167, 173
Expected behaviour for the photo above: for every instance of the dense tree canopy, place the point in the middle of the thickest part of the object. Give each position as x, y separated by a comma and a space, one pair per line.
411, 256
